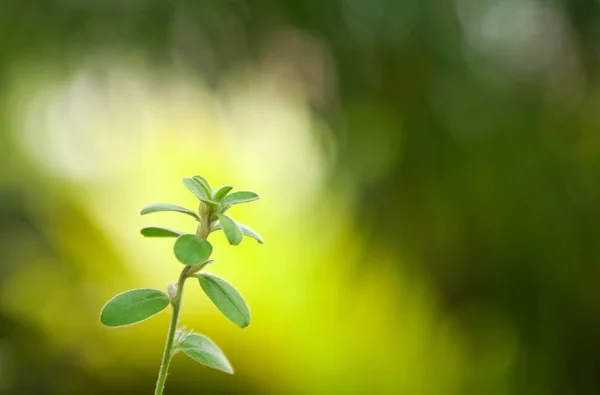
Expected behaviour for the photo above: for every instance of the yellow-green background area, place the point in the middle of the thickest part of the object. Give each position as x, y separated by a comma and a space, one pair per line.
429, 174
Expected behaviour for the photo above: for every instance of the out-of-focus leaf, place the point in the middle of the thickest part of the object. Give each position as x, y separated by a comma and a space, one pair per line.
133, 306
226, 298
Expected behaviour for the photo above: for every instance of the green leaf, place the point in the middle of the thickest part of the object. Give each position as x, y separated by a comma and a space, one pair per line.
191, 250
240, 197
199, 191
226, 298
248, 231
154, 208
232, 230
202, 349
221, 192
196, 188
202, 181
158, 231
133, 306
210, 203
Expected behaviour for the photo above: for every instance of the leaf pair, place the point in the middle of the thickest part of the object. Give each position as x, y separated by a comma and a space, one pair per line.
202, 190
138, 305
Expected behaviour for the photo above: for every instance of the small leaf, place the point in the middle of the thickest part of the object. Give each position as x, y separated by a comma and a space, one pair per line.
199, 191
226, 298
210, 203
196, 188
180, 334
133, 306
202, 181
221, 192
240, 197
157, 231
191, 250
202, 349
154, 208
232, 230
248, 231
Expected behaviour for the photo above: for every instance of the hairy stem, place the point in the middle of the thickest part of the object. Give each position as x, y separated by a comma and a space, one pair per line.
202, 232
168, 353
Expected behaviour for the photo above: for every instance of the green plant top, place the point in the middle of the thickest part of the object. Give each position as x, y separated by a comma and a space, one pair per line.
193, 251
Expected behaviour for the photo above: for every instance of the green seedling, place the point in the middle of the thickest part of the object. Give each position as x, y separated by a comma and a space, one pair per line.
193, 251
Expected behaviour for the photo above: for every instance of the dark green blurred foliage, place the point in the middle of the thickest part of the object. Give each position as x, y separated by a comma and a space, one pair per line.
484, 177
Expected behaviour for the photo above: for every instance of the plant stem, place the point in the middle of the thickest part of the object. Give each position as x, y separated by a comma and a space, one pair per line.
202, 232
168, 353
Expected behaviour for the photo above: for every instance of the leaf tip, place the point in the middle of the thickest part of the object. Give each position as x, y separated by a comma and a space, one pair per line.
245, 325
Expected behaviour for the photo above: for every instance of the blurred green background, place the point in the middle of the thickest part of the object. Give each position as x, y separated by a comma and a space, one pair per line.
430, 182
